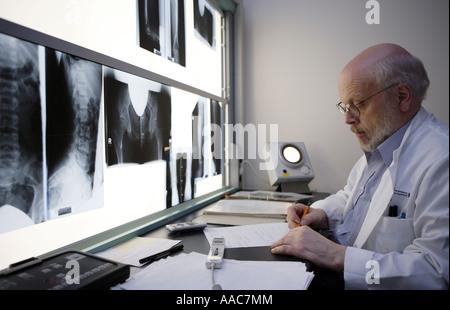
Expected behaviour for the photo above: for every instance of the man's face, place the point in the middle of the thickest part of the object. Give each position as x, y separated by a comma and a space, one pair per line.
378, 119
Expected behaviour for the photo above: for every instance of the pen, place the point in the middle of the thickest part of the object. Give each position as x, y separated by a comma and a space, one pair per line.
155, 257
304, 213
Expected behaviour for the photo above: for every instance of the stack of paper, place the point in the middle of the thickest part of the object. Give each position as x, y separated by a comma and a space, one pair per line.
247, 207
245, 212
188, 272
270, 195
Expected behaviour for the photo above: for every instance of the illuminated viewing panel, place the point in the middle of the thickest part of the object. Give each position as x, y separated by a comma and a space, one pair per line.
90, 142
145, 121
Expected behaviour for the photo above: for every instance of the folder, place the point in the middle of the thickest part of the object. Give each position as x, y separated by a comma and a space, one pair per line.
245, 212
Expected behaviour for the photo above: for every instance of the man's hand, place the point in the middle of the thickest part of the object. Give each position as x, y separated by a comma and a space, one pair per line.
305, 243
315, 218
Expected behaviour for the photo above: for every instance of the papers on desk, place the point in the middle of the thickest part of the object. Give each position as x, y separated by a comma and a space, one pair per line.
245, 212
248, 207
132, 251
188, 272
248, 235
270, 195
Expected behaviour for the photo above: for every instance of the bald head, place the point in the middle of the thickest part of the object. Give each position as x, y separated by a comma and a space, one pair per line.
361, 67
381, 65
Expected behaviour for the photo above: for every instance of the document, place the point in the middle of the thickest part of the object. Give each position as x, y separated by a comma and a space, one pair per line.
270, 195
222, 219
188, 272
245, 212
248, 235
248, 207
132, 251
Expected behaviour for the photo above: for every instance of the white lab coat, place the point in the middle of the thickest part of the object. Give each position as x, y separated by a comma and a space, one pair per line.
410, 253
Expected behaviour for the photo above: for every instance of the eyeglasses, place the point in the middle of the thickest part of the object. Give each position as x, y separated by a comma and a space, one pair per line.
353, 109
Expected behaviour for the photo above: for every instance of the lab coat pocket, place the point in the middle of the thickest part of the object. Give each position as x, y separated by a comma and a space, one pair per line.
393, 234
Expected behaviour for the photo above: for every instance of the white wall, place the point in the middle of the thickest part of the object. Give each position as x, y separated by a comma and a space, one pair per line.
293, 53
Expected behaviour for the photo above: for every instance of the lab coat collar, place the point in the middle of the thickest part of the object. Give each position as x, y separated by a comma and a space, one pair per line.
384, 192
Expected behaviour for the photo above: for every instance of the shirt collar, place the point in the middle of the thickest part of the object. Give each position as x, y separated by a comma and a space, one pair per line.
387, 148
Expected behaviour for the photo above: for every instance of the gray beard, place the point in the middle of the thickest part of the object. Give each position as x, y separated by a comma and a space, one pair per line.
388, 126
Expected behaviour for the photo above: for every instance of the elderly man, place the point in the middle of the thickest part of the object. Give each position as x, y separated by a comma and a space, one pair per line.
390, 223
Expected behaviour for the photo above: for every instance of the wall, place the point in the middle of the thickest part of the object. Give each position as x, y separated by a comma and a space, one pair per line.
293, 53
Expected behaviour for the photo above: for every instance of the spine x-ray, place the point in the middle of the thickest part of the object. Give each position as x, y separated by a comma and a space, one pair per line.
49, 111
73, 95
21, 153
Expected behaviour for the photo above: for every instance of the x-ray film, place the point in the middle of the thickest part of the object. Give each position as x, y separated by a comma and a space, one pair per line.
50, 156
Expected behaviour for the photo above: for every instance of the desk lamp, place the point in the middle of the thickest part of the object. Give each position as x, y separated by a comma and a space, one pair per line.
288, 165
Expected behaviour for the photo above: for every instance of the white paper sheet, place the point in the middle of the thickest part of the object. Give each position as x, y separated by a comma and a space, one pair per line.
188, 272
248, 235
132, 251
